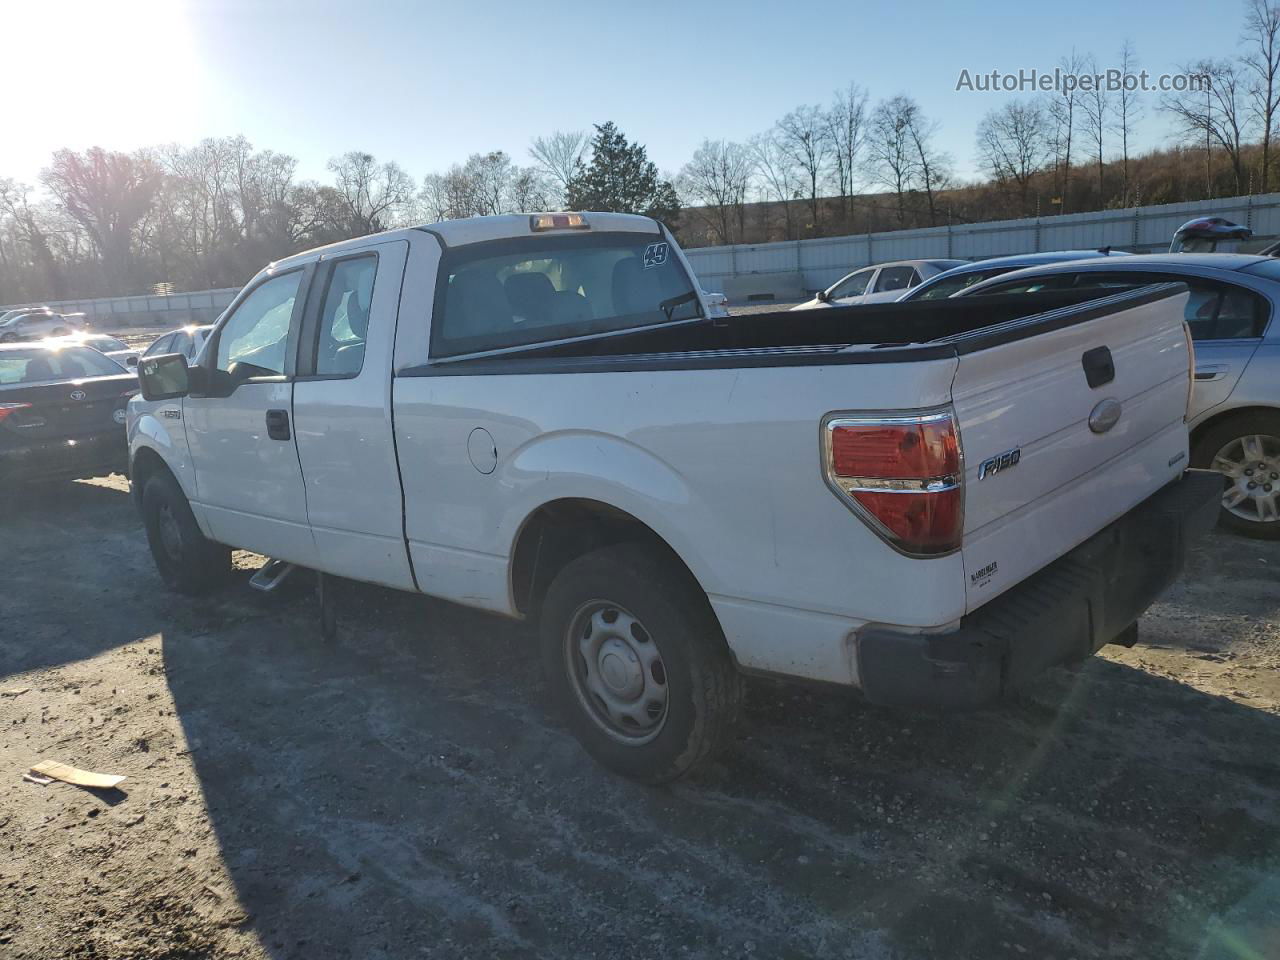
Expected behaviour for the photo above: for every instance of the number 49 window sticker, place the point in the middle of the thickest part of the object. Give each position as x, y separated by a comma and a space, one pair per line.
655, 255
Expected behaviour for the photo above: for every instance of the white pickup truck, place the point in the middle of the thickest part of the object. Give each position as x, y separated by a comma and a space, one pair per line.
533, 415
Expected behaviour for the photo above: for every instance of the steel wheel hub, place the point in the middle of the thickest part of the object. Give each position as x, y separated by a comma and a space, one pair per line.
170, 533
616, 672
1251, 465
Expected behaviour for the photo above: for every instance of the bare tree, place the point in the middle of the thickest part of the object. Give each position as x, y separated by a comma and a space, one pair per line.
27, 225
802, 135
107, 193
933, 167
1062, 114
1096, 102
1262, 67
891, 154
558, 157
1127, 112
1013, 144
714, 183
1213, 115
372, 193
847, 133
777, 175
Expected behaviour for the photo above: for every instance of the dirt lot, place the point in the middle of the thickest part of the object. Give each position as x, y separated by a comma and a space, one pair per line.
404, 792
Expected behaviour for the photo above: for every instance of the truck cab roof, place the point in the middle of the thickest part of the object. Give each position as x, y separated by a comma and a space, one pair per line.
455, 233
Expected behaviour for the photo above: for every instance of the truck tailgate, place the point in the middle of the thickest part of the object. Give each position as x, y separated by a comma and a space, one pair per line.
1066, 430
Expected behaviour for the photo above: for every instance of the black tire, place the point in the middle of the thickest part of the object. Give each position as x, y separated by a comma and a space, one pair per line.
60, 331
703, 689
1215, 439
8, 338
188, 562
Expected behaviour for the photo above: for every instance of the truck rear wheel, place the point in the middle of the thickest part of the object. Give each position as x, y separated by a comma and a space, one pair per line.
637, 663
188, 561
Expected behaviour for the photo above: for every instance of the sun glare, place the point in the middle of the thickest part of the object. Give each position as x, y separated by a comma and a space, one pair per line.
120, 75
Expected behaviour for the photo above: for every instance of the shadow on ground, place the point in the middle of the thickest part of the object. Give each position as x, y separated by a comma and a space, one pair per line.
406, 788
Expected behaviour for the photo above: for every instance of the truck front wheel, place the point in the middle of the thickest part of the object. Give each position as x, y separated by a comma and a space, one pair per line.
638, 664
188, 561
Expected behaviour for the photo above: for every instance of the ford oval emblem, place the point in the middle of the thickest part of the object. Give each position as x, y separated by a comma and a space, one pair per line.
77, 394
1105, 415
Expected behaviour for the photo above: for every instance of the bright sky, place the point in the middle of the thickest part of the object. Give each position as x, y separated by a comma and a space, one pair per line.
427, 83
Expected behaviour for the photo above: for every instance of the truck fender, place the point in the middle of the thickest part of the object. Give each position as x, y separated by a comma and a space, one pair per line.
608, 469
150, 437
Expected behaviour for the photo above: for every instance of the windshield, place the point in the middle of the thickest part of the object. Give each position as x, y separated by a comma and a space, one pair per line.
543, 288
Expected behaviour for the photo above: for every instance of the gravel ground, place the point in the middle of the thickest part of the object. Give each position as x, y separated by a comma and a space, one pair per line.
404, 792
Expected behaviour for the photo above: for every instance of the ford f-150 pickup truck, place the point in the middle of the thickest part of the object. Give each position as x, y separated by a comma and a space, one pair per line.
534, 415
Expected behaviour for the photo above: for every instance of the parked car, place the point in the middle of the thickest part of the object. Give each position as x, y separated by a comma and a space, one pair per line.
62, 412
1235, 411
879, 283
40, 324
185, 340
536, 417
951, 282
10, 314
117, 350
1209, 235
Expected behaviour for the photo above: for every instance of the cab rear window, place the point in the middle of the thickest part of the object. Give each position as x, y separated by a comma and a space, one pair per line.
540, 289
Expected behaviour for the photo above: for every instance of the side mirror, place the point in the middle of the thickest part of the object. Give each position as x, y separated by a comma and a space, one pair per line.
164, 377
130, 361
824, 297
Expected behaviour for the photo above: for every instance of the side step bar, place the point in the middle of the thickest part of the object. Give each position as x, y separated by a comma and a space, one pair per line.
272, 574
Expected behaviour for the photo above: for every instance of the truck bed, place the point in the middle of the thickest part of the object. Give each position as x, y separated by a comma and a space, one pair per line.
876, 333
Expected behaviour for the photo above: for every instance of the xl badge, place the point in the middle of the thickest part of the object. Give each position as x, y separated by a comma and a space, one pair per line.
1001, 461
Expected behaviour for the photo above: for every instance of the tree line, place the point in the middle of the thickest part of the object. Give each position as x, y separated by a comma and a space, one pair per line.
103, 222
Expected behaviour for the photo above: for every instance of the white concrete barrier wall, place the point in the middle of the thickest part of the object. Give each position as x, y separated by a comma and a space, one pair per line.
822, 261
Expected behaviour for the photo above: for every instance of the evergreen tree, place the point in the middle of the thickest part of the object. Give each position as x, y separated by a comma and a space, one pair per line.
621, 179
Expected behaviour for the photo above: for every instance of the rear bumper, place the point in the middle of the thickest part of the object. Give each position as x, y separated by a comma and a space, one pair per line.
87, 456
1063, 613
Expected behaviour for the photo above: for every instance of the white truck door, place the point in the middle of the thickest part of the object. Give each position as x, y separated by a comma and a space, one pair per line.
248, 481
342, 415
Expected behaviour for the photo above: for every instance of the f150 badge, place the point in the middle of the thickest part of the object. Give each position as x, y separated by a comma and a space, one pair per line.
1001, 461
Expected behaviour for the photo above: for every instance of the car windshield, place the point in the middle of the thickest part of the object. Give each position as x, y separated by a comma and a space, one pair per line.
542, 288
44, 365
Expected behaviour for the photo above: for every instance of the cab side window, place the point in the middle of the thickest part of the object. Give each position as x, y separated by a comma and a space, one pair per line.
256, 336
344, 315
896, 278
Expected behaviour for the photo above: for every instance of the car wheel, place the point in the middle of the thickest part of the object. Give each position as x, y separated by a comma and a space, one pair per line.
637, 663
60, 332
188, 561
1246, 451
8, 338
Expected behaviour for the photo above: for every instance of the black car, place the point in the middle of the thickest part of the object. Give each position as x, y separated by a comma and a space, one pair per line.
62, 411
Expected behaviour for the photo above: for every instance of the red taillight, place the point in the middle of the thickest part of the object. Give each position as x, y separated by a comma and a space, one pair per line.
8, 408
902, 475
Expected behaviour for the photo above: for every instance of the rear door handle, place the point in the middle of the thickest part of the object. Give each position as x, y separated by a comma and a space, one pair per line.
1210, 371
278, 424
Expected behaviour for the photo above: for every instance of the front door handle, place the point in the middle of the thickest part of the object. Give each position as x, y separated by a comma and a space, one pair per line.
278, 424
